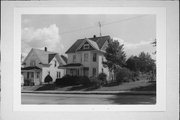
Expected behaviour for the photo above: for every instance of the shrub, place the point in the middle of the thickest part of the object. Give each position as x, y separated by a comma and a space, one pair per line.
95, 82
48, 79
84, 80
135, 76
67, 80
103, 78
123, 75
46, 87
27, 82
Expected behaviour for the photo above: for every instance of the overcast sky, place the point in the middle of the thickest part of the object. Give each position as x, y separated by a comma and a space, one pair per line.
59, 32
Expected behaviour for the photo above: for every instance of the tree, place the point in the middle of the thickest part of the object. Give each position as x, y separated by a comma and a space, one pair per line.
115, 56
147, 63
133, 63
143, 63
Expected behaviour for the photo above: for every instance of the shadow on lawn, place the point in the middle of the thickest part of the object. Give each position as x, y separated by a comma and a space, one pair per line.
150, 87
82, 88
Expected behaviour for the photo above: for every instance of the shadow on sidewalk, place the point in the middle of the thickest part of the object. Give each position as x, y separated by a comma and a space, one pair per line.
133, 99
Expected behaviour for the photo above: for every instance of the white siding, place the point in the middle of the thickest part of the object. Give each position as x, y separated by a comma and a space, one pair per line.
53, 70
105, 70
90, 63
78, 57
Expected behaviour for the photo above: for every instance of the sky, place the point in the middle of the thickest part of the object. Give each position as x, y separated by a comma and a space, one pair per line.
59, 32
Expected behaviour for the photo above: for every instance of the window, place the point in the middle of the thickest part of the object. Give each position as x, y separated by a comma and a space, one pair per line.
85, 57
58, 75
74, 58
94, 71
81, 58
32, 75
27, 74
55, 63
33, 63
94, 57
86, 46
37, 75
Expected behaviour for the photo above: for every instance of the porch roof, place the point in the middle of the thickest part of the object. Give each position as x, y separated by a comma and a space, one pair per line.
71, 65
31, 68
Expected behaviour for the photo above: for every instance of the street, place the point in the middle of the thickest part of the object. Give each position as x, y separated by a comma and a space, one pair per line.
29, 98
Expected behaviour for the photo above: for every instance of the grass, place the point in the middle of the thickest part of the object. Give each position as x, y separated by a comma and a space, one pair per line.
141, 85
130, 86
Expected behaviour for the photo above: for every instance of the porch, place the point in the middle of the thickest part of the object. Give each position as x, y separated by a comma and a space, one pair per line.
32, 75
76, 69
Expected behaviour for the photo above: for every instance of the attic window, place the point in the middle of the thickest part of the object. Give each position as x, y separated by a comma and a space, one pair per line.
86, 46
32, 63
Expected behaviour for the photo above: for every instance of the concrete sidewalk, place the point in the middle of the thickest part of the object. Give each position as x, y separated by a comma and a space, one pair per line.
94, 92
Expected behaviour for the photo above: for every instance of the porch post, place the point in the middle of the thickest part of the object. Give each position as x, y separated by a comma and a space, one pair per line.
34, 77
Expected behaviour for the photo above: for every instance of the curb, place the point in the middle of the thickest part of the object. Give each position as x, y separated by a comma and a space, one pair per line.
95, 92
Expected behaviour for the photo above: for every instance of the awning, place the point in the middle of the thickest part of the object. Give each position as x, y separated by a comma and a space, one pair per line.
71, 65
31, 68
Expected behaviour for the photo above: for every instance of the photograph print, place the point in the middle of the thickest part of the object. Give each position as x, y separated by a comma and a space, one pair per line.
88, 59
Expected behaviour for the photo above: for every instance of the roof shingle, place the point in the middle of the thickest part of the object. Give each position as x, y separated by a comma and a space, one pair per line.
99, 40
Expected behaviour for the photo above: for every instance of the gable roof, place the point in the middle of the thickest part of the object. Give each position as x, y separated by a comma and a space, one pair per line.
45, 57
95, 41
64, 58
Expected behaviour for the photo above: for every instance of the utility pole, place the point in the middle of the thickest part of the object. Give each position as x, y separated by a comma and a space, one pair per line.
100, 28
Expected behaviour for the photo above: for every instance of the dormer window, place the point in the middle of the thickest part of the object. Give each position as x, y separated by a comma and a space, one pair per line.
86, 46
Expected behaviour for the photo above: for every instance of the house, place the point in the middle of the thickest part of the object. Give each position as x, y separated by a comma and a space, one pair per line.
85, 57
39, 63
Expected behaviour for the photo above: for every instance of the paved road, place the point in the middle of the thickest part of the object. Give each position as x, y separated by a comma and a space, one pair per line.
28, 98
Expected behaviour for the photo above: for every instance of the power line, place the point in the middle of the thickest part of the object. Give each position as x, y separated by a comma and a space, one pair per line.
101, 25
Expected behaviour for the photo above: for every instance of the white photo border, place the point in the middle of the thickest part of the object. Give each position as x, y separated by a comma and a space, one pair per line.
160, 13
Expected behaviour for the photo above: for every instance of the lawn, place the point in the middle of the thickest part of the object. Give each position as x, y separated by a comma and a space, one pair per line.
141, 85
129, 86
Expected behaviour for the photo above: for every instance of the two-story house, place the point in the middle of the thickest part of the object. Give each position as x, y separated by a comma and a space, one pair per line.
85, 57
39, 63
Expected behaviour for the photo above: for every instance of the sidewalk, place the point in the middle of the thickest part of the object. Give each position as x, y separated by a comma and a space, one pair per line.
94, 92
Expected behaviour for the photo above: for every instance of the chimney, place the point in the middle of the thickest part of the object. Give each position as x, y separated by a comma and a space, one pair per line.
45, 49
94, 36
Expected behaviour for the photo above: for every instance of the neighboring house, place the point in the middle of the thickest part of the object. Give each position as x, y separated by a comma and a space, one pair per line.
85, 57
39, 63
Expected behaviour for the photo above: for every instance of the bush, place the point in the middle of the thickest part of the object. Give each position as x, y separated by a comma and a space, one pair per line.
48, 79
27, 82
123, 75
103, 78
95, 82
68, 80
84, 80
46, 87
